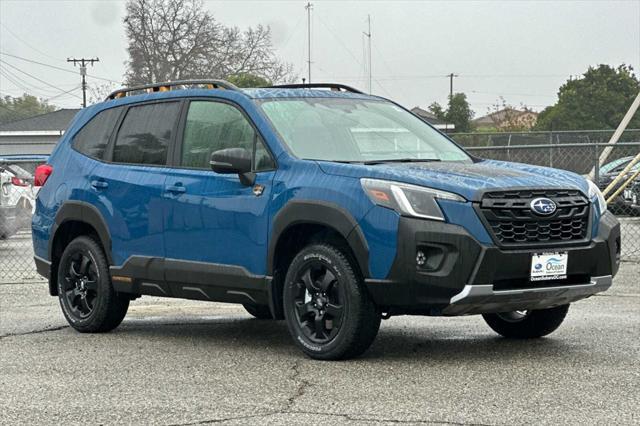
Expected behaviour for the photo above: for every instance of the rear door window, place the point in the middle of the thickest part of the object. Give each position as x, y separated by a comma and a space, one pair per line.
145, 134
93, 138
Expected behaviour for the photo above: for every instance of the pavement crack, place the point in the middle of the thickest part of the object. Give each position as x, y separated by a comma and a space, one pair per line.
377, 419
44, 330
223, 419
302, 386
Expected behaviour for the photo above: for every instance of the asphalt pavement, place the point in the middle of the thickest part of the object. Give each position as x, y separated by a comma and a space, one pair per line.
183, 362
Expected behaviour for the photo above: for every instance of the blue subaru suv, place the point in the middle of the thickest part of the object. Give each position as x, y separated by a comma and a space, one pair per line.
317, 204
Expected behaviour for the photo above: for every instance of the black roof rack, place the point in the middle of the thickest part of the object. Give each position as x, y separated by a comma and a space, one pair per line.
332, 86
166, 86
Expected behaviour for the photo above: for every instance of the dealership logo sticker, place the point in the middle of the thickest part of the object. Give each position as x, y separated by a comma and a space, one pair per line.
549, 266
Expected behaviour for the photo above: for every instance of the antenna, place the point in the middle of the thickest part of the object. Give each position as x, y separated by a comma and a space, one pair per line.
309, 7
368, 35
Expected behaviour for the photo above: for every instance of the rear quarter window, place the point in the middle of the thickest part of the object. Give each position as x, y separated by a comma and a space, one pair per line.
93, 138
145, 134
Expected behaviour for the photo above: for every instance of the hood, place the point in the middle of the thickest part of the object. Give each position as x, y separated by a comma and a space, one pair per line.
467, 179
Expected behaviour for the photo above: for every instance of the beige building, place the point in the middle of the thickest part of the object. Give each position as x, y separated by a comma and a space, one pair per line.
508, 118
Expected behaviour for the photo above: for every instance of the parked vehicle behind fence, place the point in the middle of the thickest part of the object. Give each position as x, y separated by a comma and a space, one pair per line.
17, 193
622, 204
317, 204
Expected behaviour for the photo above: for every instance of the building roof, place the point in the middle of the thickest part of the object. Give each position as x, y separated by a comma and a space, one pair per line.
431, 119
499, 116
52, 121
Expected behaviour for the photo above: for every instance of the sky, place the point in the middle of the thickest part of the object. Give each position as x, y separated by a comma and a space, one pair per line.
521, 51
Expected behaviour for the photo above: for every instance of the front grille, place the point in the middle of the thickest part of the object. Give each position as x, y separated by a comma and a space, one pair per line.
509, 216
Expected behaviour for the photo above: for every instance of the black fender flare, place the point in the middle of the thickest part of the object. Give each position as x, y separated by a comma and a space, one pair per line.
82, 212
319, 213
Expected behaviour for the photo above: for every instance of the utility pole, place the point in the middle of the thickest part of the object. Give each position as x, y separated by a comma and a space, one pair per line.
368, 34
451, 76
309, 7
83, 72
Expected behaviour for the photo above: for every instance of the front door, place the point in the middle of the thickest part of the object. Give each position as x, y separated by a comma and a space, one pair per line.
216, 228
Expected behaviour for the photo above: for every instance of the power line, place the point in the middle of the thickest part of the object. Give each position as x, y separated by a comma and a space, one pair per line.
28, 44
83, 73
57, 68
32, 76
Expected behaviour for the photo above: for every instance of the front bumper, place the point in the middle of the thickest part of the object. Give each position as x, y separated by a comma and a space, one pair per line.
462, 276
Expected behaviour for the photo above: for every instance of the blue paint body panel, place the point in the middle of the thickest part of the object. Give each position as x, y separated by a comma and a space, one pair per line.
219, 220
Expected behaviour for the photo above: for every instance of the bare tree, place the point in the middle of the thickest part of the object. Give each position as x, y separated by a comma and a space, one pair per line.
178, 39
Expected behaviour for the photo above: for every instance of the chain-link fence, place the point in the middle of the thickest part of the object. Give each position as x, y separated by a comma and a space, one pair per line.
579, 157
17, 200
574, 151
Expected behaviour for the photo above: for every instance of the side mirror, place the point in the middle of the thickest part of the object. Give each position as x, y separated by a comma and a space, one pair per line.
233, 160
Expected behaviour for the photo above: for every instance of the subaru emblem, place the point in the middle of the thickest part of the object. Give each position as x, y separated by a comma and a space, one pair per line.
543, 206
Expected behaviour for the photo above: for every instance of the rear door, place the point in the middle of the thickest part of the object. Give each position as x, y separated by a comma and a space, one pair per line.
214, 218
128, 187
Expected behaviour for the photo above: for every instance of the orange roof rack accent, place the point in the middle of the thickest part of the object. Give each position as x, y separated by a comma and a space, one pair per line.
171, 85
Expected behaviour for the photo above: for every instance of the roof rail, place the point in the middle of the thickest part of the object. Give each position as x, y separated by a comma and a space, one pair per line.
332, 86
166, 86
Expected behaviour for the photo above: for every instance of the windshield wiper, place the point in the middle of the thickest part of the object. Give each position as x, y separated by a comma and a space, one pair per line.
401, 160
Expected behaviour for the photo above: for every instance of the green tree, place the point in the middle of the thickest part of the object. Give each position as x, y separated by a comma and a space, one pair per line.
437, 110
25, 106
596, 101
459, 113
249, 80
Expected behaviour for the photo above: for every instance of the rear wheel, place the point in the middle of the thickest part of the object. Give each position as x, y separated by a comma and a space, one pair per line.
259, 311
86, 295
527, 324
328, 311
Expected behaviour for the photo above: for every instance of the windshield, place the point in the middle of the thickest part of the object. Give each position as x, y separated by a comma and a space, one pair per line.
616, 165
356, 130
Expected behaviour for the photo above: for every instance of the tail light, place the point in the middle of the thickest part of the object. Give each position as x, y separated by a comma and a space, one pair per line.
18, 182
42, 174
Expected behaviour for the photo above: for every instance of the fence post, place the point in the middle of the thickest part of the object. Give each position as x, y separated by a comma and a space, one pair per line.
550, 149
596, 164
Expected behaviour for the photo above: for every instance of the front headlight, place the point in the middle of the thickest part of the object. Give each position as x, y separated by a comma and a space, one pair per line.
596, 196
408, 200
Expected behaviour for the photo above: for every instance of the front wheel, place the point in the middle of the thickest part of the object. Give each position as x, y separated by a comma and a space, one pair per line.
86, 295
327, 309
527, 324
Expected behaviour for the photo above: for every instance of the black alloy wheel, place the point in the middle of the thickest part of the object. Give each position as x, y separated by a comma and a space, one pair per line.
327, 307
88, 300
80, 285
318, 299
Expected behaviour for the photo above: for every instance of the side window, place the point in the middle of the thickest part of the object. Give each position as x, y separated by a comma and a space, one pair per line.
263, 160
145, 134
212, 126
93, 138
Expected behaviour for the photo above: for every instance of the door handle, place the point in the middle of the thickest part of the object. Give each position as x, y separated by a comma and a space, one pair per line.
99, 184
176, 189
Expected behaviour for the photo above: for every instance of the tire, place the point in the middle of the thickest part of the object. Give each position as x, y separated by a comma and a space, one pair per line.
261, 312
86, 295
528, 325
327, 309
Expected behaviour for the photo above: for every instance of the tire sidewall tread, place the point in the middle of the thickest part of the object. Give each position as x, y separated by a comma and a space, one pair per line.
110, 308
361, 319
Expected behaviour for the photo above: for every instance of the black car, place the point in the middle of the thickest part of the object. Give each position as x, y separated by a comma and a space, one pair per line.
608, 172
